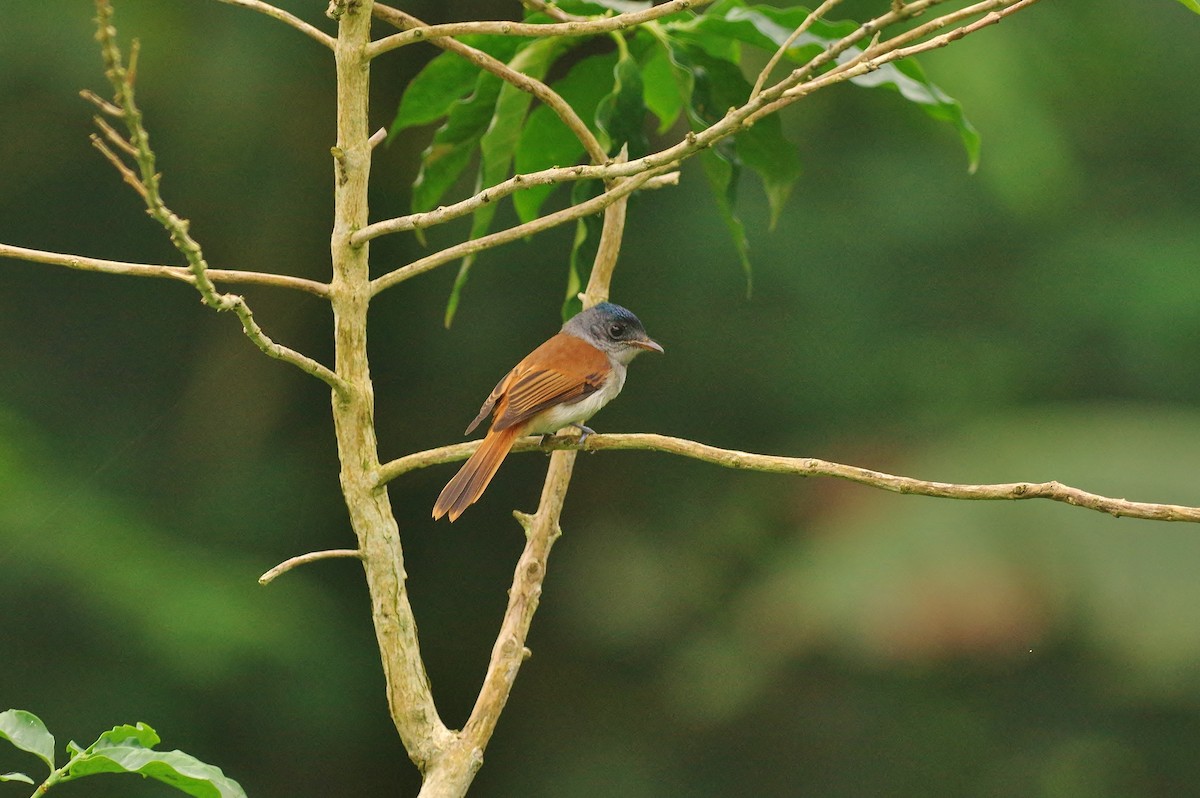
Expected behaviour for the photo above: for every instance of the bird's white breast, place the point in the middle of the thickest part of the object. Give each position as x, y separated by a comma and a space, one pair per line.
555, 418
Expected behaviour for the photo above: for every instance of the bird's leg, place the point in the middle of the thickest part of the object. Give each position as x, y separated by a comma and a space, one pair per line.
584, 432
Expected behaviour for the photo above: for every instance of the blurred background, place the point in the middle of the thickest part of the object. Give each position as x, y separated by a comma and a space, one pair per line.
702, 632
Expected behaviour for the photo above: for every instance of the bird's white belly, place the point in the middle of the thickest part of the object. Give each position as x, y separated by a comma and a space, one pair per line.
555, 418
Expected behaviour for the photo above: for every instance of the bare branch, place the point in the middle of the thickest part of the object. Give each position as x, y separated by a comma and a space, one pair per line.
286, 18
553, 11
146, 183
501, 70
591, 27
181, 273
304, 559
594, 205
812, 467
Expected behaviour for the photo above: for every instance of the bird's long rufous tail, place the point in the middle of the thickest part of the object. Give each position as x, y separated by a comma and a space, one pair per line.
472, 479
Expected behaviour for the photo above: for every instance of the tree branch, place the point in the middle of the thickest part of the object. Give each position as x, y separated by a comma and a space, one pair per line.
180, 273
304, 559
591, 27
286, 18
524, 82
593, 205
146, 182
812, 17
812, 467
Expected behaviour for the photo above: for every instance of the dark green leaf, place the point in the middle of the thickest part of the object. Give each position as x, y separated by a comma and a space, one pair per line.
547, 142
660, 86
15, 777
127, 749
27, 732
447, 78
498, 143
454, 143
722, 177
720, 85
622, 113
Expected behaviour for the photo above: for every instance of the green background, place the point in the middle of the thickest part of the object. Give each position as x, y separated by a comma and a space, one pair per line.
702, 632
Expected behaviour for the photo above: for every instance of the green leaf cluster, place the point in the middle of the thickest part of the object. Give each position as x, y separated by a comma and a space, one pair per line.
123, 749
686, 65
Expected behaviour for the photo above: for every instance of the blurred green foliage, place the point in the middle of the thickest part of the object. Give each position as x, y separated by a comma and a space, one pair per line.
702, 632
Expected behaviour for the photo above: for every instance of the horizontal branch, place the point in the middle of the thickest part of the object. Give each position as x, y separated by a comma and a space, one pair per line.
286, 18
181, 273
304, 559
591, 27
812, 467
594, 205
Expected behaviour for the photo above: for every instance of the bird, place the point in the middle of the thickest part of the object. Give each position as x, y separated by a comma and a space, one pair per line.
560, 384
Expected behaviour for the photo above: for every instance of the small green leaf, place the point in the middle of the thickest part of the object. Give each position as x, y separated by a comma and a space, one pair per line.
15, 777
498, 143
27, 732
449, 77
547, 142
622, 113
1192, 4
127, 749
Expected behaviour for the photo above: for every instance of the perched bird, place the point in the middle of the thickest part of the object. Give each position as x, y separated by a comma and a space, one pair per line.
560, 384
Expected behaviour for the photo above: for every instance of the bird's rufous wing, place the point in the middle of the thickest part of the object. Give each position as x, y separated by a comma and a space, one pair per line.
564, 369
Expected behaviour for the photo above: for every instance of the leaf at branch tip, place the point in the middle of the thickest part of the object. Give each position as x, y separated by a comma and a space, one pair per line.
547, 142
498, 143
27, 732
129, 749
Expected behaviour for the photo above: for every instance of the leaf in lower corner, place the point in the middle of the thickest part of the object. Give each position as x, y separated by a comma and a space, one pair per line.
128, 749
27, 732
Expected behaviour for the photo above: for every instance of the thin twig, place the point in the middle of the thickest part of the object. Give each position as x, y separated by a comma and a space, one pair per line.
552, 11
304, 559
524, 82
591, 27
813, 467
286, 18
594, 205
812, 17
181, 273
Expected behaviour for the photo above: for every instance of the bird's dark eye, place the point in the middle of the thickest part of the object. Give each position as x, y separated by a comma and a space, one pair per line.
616, 330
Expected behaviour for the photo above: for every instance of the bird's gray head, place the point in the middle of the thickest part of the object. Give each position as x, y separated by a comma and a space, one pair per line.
612, 329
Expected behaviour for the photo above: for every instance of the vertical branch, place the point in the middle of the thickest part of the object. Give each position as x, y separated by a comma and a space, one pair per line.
408, 692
